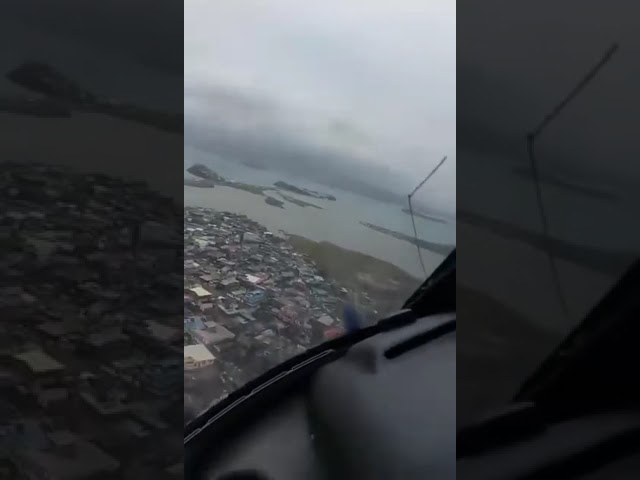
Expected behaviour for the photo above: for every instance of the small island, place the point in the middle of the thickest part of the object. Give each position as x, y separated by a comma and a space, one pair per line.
199, 183
205, 173
202, 171
255, 189
274, 202
298, 202
209, 178
303, 191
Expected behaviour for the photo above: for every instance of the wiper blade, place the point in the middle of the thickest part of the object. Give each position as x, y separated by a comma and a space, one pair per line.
254, 391
438, 289
438, 293
337, 346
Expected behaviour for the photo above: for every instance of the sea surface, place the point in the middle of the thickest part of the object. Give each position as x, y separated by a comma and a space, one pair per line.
338, 222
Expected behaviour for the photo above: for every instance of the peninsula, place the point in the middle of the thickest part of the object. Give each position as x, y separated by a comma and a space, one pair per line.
298, 202
303, 191
439, 248
209, 178
274, 202
205, 173
198, 182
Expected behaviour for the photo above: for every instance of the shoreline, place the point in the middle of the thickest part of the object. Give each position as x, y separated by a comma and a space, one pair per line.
308, 222
360, 273
210, 178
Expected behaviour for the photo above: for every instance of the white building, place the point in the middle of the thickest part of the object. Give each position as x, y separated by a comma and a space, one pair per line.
197, 356
326, 320
200, 292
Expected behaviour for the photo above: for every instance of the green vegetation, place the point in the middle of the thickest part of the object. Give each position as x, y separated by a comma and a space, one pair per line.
274, 202
355, 270
255, 189
202, 171
298, 202
303, 191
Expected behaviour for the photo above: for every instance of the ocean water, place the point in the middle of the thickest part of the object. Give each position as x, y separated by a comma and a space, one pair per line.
338, 222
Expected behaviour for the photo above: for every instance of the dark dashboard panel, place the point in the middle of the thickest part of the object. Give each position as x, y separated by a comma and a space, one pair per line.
385, 410
279, 446
591, 447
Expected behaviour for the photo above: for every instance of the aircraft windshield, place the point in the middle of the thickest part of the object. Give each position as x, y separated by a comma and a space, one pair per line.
303, 140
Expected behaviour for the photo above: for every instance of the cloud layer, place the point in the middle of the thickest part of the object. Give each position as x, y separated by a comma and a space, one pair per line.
336, 90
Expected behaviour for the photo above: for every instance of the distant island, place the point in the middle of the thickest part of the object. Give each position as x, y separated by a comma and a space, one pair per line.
199, 182
303, 191
204, 172
425, 216
439, 248
209, 178
274, 202
298, 202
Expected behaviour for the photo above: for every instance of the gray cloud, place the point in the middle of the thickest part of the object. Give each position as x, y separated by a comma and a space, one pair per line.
333, 91
244, 129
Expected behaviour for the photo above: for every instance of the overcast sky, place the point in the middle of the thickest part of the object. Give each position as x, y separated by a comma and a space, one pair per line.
367, 87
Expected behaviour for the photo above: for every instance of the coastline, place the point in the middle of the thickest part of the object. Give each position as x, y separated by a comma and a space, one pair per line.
337, 223
358, 272
210, 178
